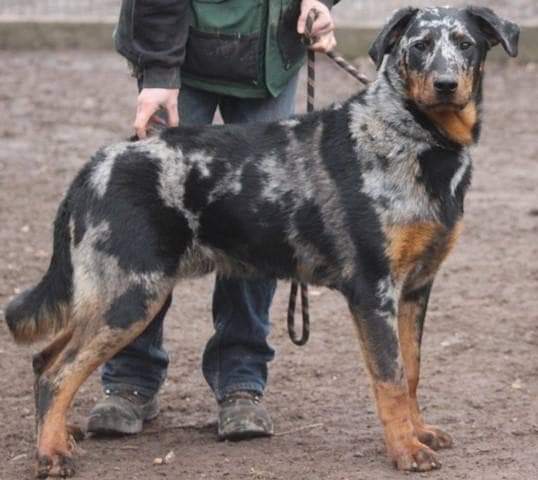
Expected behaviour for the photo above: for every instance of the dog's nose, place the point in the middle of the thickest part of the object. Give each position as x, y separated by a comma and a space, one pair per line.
445, 84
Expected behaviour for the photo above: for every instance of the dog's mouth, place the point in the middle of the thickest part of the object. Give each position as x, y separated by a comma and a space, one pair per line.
444, 105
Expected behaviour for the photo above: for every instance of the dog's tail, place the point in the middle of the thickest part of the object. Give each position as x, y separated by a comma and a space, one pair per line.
46, 307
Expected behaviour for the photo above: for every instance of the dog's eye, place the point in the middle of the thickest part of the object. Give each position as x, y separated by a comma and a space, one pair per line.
421, 46
465, 45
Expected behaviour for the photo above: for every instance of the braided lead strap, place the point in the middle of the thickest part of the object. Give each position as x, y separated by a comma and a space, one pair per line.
339, 60
310, 96
311, 63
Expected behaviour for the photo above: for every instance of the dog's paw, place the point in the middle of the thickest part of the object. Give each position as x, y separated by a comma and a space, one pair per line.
416, 458
434, 437
61, 466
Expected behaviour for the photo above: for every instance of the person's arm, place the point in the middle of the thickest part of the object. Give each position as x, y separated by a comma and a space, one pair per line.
323, 27
153, 35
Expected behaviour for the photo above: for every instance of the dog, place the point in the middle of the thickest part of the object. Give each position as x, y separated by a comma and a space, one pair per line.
365, 197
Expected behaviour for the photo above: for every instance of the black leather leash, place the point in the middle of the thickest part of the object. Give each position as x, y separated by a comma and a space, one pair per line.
310, 95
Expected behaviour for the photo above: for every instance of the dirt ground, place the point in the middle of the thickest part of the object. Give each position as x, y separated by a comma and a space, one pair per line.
480, 368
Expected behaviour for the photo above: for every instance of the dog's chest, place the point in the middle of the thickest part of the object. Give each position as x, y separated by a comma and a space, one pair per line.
411, 184
408, 180
391, 179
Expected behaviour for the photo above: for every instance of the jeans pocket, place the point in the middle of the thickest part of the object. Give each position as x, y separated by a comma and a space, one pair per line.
222, 56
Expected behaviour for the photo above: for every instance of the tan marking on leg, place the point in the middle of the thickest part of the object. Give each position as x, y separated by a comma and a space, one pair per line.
393, 409
408, 334
408, 313
392, 402
93, 347
404, 448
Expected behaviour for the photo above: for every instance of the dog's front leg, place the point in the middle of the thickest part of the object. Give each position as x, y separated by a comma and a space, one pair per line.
375, 315
411, 316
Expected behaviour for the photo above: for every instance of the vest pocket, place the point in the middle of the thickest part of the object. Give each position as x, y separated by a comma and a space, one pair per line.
222, 56
289, 41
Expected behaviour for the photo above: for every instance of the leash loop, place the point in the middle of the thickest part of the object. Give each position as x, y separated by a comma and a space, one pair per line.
305, 334
312, 16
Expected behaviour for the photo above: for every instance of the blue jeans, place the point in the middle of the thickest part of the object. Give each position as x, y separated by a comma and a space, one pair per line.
236, 356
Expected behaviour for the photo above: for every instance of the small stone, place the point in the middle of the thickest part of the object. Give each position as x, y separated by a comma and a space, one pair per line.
518, 384
453, 340
25, 229
169, 457
158, 461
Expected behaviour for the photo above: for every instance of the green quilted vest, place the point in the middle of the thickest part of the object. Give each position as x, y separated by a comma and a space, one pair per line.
244, 48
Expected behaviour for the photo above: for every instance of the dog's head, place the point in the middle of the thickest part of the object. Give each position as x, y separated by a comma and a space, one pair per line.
439, 53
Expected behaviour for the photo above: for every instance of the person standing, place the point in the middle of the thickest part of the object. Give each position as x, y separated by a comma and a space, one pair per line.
191, 57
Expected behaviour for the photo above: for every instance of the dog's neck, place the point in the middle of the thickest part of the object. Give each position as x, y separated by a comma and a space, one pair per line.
461, 128
458, 126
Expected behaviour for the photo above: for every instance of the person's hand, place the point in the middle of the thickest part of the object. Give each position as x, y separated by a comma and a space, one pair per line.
323, 28
148, 103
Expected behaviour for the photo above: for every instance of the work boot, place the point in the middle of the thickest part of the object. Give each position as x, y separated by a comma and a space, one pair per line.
243, 416
122, 412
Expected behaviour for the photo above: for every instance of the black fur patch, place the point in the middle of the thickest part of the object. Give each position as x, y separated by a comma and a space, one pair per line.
438, 166
361, 220
44, 394
308, 220
70, 355
381, 338
145, 234
251, 232
130, 307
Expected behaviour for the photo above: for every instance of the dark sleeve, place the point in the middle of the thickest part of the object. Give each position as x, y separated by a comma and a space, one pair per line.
152, 35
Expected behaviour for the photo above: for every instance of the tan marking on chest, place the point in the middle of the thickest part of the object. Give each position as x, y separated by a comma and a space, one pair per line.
457, 125
409, 244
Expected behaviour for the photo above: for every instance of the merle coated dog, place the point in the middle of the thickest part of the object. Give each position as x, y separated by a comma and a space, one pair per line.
364, 197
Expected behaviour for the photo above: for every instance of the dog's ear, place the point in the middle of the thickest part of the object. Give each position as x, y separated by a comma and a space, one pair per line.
496, 29
390, 34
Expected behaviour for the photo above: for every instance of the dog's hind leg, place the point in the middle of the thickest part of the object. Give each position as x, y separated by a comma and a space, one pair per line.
375, 315
92, 342
42, 360
411, 316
